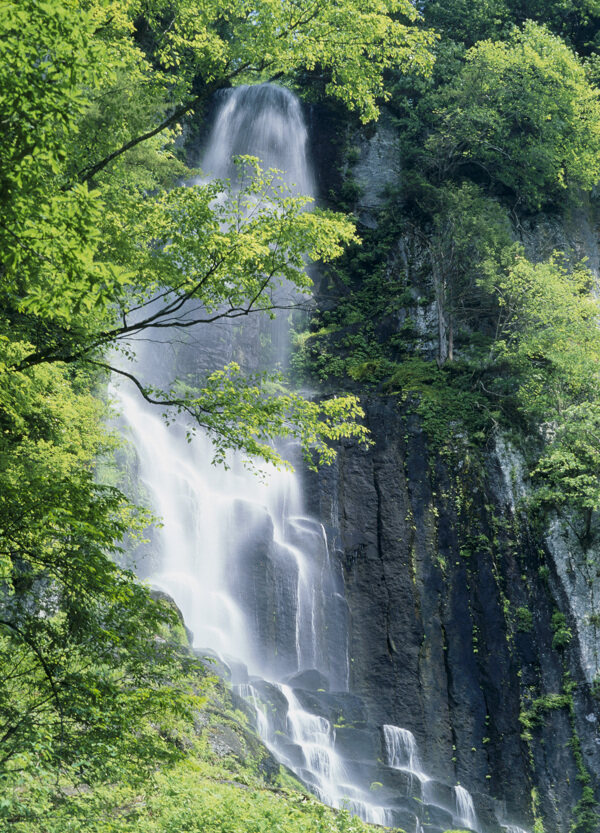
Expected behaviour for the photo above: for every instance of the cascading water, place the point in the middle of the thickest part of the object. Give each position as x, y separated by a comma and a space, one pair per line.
265, 121
465, 809
251, 571
226, 536
401, 751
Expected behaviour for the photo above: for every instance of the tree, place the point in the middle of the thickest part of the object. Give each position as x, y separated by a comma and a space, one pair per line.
524, 115
467, 22
89, 666
574, 20
548, 345
185, 259
547, 332
566, 475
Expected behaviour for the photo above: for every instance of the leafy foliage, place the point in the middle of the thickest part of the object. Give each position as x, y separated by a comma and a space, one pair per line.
196, 796
81, 264
524, 112
566, 474
85, 672
467, 22
203, 789
546, 331
270, 36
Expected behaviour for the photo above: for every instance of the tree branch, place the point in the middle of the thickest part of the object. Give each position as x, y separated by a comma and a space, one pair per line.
169, 403
90, 171
45, 669
156, 321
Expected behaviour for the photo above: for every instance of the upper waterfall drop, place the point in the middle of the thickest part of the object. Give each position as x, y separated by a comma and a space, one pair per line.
265, 121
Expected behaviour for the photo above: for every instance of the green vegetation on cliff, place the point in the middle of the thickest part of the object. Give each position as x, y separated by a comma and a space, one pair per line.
470, 299
449, 301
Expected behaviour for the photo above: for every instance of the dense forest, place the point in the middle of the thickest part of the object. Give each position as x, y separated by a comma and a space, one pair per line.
495, 112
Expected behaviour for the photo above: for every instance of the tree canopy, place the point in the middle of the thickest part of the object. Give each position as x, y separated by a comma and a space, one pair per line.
524, 111
94, 224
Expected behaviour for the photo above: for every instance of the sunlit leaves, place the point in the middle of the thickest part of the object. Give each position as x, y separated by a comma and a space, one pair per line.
220, 243
352, 40
525, 114
548, 331
567, 472
252, 414
548, 342
71, 622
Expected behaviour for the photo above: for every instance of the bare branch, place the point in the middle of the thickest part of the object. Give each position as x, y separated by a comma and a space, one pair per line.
170, 403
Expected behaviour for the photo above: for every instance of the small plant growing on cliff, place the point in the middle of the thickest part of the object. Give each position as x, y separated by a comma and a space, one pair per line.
562, 633
524, 620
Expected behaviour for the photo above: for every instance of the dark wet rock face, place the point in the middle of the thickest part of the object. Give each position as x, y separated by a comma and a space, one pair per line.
311, 679
439, 642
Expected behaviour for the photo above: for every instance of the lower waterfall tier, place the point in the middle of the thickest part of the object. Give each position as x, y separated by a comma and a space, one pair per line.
327, 739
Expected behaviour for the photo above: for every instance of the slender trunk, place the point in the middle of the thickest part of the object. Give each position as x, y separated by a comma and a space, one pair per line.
438, 283
588, 525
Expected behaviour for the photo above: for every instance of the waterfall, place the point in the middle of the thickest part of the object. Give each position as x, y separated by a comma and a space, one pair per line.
250, 569
465, 810
265, 121
401, 751
314, 734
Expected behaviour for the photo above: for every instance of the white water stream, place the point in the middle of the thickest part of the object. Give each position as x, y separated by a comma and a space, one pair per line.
248, 568
465, 810
401, 751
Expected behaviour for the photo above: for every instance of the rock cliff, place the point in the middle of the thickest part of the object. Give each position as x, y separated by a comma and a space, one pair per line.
469, 627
